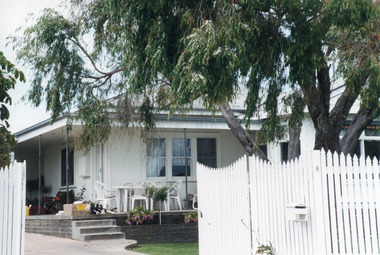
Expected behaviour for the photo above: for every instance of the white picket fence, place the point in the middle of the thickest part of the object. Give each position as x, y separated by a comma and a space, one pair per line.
12, 209
337, 198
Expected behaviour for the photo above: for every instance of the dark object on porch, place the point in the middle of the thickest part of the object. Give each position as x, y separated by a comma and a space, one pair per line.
51, 205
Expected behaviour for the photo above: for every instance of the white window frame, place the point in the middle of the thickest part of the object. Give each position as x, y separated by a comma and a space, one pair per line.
193, 159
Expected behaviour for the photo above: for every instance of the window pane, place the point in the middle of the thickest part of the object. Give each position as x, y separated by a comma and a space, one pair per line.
284, 151
156, 147
179, 147
156, 157
178, 167
210, 162
206, 147
372, 149
206, 151
155, 167
264, 149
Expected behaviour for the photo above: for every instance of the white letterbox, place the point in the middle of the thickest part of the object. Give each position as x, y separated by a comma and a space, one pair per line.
296, 212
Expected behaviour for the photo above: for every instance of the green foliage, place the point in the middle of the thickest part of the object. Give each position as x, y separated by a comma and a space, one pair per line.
141, 56
161, 194
8, 78
167, 249
7, 143
191, 217
266, 249
158, 194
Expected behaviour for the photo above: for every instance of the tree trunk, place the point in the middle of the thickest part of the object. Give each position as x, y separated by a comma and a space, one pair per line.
318, 103
240, 133
357, 125
294, 143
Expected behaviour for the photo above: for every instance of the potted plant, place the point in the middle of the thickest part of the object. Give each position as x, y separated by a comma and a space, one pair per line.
161, 195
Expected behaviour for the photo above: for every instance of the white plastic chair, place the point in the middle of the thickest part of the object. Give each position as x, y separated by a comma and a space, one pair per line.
103, 195
138, 193
127, 191
175, 195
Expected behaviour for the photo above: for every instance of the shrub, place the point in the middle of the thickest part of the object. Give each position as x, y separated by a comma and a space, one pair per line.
266, 249
191, 217
139, 216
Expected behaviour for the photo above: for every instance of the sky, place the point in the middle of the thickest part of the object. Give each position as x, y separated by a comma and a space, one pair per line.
12, 15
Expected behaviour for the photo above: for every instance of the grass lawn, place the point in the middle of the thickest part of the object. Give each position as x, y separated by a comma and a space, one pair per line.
167, 249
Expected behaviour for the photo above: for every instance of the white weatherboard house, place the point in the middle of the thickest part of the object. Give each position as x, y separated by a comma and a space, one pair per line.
126, 157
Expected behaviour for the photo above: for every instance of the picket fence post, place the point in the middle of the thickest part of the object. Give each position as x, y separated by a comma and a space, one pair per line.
12, 208
319, 195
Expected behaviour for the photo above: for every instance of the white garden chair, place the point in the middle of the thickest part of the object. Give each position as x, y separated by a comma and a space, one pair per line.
103, 195
138, 193
174, 194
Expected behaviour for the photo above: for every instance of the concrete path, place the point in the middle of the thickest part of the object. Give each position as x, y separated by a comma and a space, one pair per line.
36, 244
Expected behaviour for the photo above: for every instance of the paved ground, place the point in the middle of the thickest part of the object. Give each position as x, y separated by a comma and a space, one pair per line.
36, 244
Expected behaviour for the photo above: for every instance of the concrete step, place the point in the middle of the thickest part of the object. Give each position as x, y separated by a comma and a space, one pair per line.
99, 229
89, 230
93, 223
103, 236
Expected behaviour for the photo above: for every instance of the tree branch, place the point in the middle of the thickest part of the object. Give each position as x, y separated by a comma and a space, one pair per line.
339, 113
357, 125
241, 134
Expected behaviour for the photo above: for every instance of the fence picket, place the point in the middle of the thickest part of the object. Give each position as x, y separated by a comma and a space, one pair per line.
12, 209
365, 204
376, 179
345, 205
372, 204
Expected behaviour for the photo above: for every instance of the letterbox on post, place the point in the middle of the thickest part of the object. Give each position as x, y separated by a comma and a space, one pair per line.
296, 212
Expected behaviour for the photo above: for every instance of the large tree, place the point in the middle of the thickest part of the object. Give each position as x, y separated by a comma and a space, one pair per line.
8, 78
168, 54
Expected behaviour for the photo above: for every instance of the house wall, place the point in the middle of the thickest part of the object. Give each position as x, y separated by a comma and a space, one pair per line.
307, 136
125, 155
124, 159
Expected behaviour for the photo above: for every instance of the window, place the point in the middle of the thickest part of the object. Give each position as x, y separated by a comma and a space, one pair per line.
264, 149
372, 149
284, 151
206, 151
178, 156
156, 157
63, 167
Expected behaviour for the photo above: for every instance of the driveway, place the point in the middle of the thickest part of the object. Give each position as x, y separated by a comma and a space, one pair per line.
36, 244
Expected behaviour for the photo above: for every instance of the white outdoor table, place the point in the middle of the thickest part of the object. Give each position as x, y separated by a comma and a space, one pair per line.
122, 195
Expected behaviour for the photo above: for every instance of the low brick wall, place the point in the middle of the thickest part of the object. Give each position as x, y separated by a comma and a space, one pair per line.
172, 230
168, 233
47, 225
